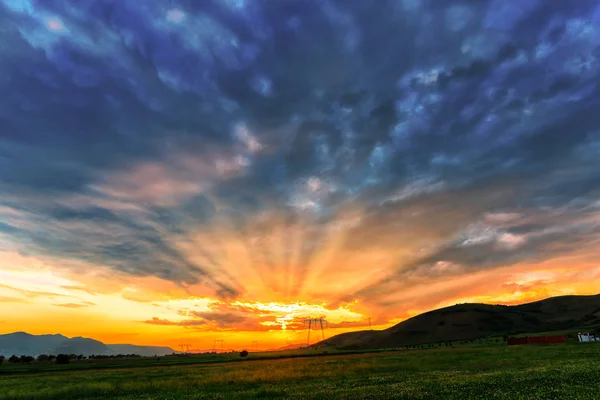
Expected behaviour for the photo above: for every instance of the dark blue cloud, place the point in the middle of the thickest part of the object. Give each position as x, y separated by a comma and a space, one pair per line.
152, 120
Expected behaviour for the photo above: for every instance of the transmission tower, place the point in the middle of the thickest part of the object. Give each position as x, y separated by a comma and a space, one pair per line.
185, 346
315, 323
217, 342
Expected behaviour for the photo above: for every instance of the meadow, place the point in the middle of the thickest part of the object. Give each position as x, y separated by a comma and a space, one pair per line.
487, 372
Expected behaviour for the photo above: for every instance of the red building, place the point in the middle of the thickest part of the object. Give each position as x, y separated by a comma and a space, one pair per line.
537, 340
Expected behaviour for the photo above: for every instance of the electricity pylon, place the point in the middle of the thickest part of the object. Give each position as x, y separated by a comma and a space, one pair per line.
216, 342
185, 346
316, 322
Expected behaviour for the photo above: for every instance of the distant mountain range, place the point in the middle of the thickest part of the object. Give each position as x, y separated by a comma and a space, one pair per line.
22, 343
292, 346
474, 321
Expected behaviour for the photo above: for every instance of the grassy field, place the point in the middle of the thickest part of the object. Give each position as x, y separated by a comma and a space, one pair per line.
192, 359
170, 360
497, 372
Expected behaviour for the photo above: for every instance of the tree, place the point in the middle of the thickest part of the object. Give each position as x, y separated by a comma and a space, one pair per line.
1, 359
26, 359
244, 354
63, 359
43, 357
14, 359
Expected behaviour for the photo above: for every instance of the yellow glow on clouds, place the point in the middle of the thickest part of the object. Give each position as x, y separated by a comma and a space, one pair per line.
291, 314
39, 295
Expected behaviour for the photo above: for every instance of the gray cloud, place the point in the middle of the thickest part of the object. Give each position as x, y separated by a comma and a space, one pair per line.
220, 318
133, 128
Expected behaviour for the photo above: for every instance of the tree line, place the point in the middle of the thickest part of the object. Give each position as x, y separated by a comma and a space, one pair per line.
62, 358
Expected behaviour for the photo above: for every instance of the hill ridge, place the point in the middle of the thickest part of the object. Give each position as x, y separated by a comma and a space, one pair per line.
468, 321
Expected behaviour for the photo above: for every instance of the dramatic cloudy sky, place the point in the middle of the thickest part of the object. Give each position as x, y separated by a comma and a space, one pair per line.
196, 170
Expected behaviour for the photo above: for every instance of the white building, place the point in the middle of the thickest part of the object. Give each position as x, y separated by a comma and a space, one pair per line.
587, 337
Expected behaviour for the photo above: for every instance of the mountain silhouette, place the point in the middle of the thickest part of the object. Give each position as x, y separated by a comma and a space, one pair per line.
22, 343
81, 345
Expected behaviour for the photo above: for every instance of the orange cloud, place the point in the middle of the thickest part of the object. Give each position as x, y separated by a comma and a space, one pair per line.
288, 269
158, 321
8, 299
75, 305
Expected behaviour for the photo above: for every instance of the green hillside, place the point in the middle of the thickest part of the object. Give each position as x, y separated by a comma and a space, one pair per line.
474, 321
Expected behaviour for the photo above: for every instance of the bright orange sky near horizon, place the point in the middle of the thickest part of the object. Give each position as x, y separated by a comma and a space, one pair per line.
38, 299
184, 172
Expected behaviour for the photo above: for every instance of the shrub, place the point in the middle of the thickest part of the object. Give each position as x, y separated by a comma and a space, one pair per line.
14, 359
63, 359
1, 359
244, 353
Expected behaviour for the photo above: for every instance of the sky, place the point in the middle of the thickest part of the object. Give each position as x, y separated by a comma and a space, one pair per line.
180, 172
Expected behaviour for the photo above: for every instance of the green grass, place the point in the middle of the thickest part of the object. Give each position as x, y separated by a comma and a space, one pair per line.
571, 331
496, 372
192, 359
172, 360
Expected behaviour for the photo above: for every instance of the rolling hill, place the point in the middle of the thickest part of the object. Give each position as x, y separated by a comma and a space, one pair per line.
473, 321
22, 343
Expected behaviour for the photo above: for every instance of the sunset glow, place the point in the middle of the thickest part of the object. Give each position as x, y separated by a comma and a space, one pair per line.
181, 175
